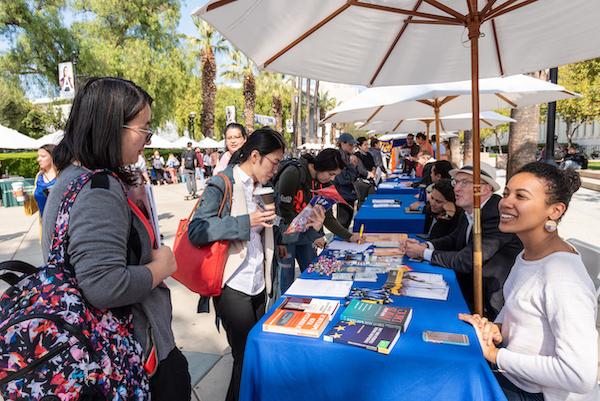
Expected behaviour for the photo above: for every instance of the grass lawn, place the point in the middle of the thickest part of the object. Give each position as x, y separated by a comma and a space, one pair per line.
594, 165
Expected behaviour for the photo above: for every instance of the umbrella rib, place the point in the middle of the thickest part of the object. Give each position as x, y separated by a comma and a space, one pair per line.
427, 102
218, 4
373, 115
447, 10
397, 125
431, 22
496, 13
328, 117
486, 122
487, 7
402, 11
497, 47
443, 129
514, 105
308, 33
391, 48
447, 99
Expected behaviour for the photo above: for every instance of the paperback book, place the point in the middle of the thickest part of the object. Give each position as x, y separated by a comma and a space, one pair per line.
297, 323
378, 314
374, 338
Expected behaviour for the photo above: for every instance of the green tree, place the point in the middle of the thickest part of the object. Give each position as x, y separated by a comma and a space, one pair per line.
242, 69
14, 107
278, 87
498, 131
227, 96
583, 78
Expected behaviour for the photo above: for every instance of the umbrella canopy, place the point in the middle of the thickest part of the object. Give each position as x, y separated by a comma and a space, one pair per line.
209, 143
457, 122
51, 139
392, 103
159, 142
394, 42
182, 142
11, 139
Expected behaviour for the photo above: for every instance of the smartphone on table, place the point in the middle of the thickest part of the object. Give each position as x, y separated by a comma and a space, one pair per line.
440, 337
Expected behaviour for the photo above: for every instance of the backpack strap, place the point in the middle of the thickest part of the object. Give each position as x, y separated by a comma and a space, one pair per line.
58, 251
11, 267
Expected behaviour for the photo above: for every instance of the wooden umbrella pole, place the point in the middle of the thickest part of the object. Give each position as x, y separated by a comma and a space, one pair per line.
436, 110
427, 124
474, 25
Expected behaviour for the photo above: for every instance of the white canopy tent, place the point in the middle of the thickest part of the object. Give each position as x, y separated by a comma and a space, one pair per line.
158, 142
182, 142
51, 139
209, 143
391, 137
457, 122
12, 139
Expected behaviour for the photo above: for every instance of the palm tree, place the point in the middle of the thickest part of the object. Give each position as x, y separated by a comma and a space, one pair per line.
210, 43
278, 86
242, 69
523, 137
325, 104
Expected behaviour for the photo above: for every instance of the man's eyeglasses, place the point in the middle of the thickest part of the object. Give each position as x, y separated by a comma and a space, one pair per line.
148, 132
461, 183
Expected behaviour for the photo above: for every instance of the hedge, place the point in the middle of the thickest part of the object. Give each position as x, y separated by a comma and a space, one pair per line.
21, 164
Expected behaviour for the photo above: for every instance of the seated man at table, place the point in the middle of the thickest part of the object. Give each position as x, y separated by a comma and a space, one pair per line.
456, 249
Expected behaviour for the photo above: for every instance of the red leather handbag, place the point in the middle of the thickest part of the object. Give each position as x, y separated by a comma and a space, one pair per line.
200, 269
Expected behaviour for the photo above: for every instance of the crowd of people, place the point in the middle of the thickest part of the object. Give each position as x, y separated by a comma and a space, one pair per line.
540, 306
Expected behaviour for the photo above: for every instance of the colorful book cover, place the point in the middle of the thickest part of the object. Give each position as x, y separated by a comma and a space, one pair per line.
377, 314
311, 305
374, 338
297, 323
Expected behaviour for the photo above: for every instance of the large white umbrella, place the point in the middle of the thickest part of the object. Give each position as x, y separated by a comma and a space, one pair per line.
51, 139
457, 122
394, 42
158, 142
209, 143
11, 139
182, 142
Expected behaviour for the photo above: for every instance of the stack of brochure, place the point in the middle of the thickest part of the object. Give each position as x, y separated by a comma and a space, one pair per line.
424, 285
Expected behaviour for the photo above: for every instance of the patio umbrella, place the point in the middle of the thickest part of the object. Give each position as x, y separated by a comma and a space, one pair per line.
429, 102
159, 142
457, 122
209, 143
396, 42
11, 139
50, 139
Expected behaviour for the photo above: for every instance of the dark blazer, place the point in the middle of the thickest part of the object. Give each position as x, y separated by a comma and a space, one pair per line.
441, 228
499, 253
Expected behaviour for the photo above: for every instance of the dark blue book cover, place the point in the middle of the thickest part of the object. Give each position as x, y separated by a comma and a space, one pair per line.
374, 338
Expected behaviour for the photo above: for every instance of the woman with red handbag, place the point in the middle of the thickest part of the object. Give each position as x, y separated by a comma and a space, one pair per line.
248, 274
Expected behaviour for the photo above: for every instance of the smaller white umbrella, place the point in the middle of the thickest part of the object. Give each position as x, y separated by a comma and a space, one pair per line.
183, 141
209, 143
11, 139
158, 142
51, 139
457, 122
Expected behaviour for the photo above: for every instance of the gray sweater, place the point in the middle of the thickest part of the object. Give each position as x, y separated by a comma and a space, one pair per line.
99, 230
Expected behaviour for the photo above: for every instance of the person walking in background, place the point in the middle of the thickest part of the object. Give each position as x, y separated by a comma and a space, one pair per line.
544, 341
45, 178
199, 166
249, 271
118, 262
207, 165
235, 136
172, 168
158, 165
189, 162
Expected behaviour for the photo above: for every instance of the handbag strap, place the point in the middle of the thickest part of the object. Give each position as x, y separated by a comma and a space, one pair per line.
227, 197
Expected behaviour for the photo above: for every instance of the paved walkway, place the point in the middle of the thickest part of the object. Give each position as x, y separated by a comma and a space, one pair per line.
19, 239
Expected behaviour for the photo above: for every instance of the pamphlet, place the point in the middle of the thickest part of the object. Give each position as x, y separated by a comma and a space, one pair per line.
326, 197
319, 288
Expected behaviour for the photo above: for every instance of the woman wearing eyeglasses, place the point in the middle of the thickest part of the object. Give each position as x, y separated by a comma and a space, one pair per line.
118, 263
249, 271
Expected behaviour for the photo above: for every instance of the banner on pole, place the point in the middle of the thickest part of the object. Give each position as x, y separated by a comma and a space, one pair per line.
66, 80
229, 114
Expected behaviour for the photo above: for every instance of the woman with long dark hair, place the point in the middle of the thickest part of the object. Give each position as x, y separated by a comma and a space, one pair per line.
45, 178
544, 340
249, 272
294, 185
110, 243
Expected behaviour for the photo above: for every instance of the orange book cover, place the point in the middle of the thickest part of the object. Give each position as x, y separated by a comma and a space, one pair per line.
298, 323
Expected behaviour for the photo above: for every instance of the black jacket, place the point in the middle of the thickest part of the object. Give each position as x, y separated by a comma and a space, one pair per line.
441, 227
499, 253
344, 181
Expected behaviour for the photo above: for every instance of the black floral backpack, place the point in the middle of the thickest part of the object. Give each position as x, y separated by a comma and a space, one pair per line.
53, 344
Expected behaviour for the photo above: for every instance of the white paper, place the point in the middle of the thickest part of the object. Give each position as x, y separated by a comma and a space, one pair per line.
319, 288
386, 206
384, 200
367, 276
348, 246
428, 293
388, 185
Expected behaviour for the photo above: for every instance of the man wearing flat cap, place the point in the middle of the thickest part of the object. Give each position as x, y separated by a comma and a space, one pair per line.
456, 249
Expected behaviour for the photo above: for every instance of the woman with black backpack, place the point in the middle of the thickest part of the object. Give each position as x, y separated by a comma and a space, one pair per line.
118, 263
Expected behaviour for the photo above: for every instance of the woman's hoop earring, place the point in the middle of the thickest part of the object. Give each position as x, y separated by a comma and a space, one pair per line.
550, 226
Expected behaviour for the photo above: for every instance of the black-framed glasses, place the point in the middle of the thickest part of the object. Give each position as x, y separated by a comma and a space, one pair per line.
148, 132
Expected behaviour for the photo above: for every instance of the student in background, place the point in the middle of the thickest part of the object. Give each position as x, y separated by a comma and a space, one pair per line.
544, 341
189, 163
235, 136
172, 167
45, 178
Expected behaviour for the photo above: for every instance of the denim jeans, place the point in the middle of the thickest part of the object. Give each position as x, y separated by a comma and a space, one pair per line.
304, 254
514, 393
190, 181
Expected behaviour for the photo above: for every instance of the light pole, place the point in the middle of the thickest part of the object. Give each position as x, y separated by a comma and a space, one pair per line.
191, 118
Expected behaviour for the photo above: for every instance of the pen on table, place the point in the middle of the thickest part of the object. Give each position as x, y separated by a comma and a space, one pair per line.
360, 233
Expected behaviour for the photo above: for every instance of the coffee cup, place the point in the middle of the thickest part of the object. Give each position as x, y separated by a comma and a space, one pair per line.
266, 194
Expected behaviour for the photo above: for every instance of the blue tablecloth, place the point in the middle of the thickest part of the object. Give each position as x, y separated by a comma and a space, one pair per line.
282, 367
398, 189
389, 220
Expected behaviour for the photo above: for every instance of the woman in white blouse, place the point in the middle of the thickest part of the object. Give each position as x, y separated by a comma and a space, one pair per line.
544, 341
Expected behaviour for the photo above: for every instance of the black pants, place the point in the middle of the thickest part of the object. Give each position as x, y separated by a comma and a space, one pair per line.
172, 379
238, 312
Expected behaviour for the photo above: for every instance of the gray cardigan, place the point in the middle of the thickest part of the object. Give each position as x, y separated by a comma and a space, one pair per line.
99, 231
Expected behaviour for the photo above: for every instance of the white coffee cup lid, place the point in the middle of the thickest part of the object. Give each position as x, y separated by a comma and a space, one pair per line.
264, 191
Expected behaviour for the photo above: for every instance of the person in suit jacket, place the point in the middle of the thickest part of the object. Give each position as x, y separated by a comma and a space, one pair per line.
249, 274
456, 249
